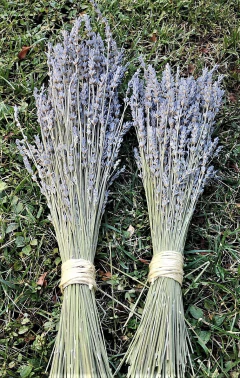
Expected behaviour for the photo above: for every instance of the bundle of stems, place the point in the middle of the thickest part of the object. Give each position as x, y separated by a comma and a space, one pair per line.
74, 162
174, 121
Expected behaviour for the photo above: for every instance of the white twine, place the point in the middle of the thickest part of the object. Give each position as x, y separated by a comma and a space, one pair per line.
78, 271
166, 264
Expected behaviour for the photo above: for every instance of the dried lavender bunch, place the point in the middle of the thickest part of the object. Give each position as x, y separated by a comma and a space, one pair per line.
174, 121
75, 162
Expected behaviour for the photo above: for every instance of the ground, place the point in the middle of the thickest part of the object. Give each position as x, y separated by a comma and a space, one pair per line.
187, 33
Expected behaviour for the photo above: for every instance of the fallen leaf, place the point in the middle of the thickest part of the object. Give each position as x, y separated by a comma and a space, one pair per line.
233, 166
154, 37
205, 49
105, 275
191, 68
41, 281
131, 230
29, 338
236, 168
236, 70
138, 287
7, 136
144, 261
210, 316
232, 97
22, 54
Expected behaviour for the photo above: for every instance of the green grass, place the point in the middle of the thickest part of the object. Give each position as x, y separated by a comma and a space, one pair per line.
186, 33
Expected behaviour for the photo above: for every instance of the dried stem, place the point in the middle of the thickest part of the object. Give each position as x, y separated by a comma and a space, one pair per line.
174, 121
75, 162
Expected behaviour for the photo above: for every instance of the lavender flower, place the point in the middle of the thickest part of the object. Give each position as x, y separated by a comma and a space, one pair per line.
174, 121
81, 120
74, 162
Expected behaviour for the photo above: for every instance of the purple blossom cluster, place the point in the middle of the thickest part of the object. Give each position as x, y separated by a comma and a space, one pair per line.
81, 122
174, 120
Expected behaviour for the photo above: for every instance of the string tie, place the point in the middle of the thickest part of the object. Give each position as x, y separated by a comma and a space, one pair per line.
166, 264
78, 271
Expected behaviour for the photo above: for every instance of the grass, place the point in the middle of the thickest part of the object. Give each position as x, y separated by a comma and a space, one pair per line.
186, 33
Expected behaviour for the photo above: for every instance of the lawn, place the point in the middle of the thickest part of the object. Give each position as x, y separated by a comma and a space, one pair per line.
186, 33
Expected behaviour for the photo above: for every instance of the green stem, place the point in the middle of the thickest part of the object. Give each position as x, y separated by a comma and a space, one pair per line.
161, 346
79, 349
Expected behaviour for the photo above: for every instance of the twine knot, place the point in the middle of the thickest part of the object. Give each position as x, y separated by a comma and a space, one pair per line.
78, 271
166, 264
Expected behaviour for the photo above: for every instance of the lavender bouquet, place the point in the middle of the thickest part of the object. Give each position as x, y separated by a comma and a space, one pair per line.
174, 120
74, 162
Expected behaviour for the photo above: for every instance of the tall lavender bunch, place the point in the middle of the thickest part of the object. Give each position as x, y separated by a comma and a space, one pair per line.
174, 121
74, 162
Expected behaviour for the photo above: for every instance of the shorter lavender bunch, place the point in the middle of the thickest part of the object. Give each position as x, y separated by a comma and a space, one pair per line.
174, 119
74, 162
